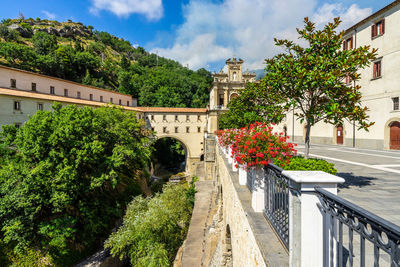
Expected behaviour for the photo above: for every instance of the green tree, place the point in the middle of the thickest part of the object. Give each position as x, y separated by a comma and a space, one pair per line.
44, 43
155, 228
71, 173
255, 103
18, 55
311, 78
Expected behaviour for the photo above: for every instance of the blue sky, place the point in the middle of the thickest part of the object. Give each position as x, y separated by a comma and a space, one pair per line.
200, 33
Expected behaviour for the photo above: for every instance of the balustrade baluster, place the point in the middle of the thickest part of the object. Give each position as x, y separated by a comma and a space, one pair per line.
351, 253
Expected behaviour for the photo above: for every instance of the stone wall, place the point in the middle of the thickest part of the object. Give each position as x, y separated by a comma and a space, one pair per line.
247, 236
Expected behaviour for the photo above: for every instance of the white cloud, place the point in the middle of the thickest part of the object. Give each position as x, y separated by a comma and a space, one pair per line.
349, 15
212, 32
49, 15
151, 9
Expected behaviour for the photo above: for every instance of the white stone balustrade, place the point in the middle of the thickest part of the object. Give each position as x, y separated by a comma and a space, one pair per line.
257, 194
308, 241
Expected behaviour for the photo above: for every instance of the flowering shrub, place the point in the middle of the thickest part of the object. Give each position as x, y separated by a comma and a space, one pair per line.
257, 145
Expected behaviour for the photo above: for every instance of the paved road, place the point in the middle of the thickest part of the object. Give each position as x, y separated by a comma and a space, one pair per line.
372, 177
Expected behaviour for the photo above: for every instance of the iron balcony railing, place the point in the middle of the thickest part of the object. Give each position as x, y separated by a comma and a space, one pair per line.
383, 235
276, 201
250, 179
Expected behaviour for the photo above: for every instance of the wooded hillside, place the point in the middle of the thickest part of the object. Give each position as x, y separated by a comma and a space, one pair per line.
76, 52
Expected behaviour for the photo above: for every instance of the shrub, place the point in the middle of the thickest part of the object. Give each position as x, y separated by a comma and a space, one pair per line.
301, 164
154, 228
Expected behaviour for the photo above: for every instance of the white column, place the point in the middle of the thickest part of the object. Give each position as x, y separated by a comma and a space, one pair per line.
257, 195
242, 175
307, 244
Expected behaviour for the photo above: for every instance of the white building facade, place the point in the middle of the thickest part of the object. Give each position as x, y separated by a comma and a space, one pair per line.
23, 93
380, 88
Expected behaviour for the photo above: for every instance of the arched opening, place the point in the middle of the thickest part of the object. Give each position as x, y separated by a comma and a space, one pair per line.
394, 140
227, 255
339, 135
234, 76
202, 157
168, 159
234, 95
285, 130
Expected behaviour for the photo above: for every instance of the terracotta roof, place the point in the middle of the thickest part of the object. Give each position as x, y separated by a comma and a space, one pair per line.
59, 79
172, 110
63, 99
374, 15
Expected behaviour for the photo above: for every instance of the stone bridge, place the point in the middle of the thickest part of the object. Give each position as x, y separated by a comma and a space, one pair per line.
187, 125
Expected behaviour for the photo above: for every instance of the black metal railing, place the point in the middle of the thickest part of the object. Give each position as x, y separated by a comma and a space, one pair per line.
384, 235
250, 179
276, 201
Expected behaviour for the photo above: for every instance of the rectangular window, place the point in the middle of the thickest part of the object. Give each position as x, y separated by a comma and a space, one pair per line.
52, 90
13, 83
198, 117
176, 117
101, 98
33, 87
65, 92
164, 117
348, 43
187, 129
395, 103
17, 105
111, 100
199, 129
176, 129
187, 118
152, 117
78, 94
39, 106
221, 100
152, 129
378, 28
17, 124
120, 102
377, 69
164, 129
91, 96
127, 103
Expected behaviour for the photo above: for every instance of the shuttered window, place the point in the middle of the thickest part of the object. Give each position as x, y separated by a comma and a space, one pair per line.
378, 28
395, 103
377, 69
348, 43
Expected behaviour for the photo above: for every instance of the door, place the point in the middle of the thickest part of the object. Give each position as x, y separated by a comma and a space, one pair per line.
395, 135
339, 135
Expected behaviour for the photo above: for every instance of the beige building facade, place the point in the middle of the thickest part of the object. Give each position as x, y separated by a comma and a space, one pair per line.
380, 88
225, 87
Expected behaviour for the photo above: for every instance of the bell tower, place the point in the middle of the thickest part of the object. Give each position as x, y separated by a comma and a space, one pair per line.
225, 87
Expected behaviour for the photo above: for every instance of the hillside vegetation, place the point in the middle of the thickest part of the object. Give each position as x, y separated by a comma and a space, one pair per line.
79, 53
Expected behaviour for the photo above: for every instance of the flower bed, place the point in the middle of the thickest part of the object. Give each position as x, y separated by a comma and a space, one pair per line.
256, 145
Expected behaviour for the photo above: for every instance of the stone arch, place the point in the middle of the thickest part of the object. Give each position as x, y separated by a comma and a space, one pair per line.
185, 146
386, 134
232, 96
227, 249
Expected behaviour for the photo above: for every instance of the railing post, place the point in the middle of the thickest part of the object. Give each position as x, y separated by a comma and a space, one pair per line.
310, 230
257, 194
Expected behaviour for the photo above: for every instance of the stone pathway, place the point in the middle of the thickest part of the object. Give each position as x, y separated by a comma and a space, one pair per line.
194, 245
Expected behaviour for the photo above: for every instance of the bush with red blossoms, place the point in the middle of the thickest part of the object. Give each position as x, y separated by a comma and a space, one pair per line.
257, 145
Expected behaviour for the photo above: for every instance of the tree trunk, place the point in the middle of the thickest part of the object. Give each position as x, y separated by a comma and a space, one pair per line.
141, 178
307, 141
